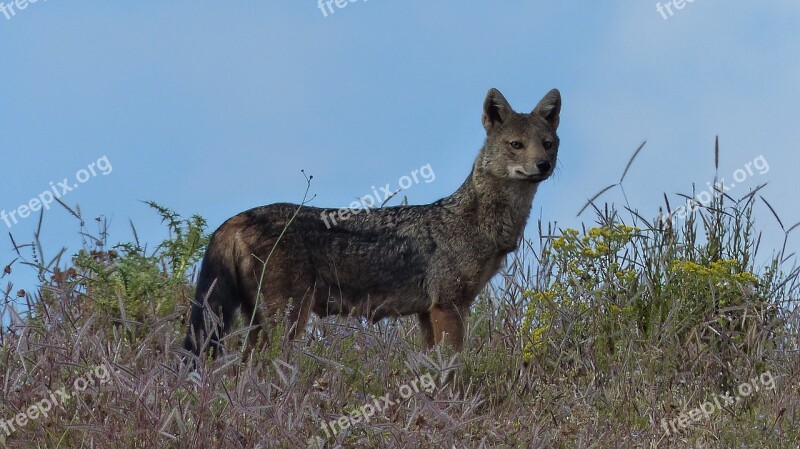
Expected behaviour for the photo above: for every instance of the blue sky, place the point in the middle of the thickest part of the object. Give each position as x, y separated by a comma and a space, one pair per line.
213, 108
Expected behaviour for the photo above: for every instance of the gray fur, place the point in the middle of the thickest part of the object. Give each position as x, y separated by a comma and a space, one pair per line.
430, 260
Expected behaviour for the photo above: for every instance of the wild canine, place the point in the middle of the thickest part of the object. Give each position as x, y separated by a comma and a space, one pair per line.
430, 260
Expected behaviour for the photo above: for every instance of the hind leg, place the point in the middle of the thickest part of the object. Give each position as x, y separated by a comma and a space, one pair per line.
293, 308
448, 325
287, 288
298, 316
251, 317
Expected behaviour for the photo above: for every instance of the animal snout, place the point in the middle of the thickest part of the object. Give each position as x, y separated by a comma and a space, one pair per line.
544, 166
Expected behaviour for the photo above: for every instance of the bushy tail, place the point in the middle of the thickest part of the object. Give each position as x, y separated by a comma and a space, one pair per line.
217, 293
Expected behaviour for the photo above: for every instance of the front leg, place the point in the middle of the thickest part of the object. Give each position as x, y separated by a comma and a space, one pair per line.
448, 325
426, 326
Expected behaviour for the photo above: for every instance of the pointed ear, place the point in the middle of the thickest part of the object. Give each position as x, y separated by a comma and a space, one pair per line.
549, 108
495, 109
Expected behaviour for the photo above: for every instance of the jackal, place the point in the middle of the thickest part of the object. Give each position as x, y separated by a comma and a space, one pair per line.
430, 260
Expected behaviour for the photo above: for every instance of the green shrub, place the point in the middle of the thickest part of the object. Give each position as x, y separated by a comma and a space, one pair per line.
128, 282
617, 283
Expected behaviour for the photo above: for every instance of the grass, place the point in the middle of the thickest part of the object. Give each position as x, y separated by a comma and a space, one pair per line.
590, 338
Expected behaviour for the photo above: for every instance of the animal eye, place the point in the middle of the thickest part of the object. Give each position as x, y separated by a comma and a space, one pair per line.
515, 145
547, 144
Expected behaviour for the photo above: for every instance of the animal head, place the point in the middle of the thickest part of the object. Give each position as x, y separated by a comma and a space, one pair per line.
520, 147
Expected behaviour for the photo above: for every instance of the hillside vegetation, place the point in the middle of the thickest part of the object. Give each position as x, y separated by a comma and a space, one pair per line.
625, 333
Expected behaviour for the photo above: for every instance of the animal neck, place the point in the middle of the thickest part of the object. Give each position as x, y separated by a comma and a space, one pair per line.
499, 208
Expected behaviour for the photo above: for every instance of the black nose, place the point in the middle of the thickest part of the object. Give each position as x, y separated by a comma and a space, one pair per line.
544, 166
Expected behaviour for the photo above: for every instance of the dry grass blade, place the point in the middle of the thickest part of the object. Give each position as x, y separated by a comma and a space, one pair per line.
752, 193
666, 201
591, 200
630, 161
774, 214
638, 216
135, 234
72, 212
14, 244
